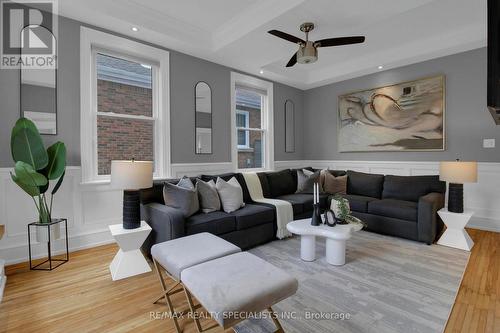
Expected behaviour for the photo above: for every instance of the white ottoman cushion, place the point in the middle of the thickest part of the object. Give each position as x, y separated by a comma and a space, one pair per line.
237, 284
180, 253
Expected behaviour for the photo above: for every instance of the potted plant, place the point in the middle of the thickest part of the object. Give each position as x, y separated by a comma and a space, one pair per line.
34, 168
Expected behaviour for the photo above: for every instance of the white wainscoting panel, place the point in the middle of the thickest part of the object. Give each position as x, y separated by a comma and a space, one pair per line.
196, 169
482, 197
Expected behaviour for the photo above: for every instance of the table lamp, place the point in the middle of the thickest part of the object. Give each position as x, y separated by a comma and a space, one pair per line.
131, 176
457, 173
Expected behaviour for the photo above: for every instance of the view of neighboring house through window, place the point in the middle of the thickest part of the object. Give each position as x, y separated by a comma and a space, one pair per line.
125, 117
250, 132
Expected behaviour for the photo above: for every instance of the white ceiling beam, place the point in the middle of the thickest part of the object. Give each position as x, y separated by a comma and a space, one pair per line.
251, 19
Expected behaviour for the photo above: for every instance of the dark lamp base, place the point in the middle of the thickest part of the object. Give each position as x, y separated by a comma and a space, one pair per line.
456, 198
131, 210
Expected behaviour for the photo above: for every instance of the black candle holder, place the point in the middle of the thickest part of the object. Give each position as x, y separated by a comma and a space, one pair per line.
316, 216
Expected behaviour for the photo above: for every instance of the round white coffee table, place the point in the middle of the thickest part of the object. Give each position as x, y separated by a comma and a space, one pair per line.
336, 238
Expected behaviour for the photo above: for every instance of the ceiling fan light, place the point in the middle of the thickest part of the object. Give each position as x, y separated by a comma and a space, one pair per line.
307, 54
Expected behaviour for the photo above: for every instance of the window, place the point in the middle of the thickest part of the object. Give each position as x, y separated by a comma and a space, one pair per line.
242, 122
124, 104
252, 121
125, 120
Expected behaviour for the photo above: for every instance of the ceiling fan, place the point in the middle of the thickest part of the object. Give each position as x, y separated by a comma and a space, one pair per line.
308, 50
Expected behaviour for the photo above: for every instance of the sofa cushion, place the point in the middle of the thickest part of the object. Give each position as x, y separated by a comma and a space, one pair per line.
411, 188
215, 223
253, 215
365, 184
302, 203
227, 176
182, 196
306, 180
281, 183
264, 183
230, 194
400, 209
359, 203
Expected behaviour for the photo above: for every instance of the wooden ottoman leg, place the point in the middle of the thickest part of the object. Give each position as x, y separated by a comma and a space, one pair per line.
166, 295
274, 317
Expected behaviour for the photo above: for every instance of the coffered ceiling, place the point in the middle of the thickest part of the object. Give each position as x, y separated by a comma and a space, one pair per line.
234, 32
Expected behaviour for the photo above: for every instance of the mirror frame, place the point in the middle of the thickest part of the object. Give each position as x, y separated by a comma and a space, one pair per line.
286, 134
21, 113
211, 121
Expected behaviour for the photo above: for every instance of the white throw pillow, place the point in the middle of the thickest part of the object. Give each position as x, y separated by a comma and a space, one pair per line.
230, 194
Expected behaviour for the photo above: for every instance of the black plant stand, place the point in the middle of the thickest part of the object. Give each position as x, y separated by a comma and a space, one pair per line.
49, 250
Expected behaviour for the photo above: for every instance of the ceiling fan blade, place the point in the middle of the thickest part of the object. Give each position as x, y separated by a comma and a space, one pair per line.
339, 41
286, 36
292, 61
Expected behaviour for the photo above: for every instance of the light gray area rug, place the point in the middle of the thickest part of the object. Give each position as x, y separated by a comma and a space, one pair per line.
387, 285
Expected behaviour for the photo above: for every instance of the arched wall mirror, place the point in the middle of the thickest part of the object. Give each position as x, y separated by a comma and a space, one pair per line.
289, 126
39, 85
203, 118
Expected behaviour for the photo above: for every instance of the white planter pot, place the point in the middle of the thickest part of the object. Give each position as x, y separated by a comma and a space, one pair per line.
42, 233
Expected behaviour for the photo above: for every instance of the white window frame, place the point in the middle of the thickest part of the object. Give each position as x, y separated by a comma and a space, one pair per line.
247, 125
93, 42
267, 128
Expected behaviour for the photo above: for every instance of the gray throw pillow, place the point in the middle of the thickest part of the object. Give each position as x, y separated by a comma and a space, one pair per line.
182, 197
209, 198
230, 194
306, 180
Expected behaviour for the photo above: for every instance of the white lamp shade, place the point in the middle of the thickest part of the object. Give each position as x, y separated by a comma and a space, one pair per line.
458, 172
131, 175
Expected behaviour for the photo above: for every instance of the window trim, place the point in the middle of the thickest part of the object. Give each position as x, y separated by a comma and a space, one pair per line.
267, 126
247, 125
92, 42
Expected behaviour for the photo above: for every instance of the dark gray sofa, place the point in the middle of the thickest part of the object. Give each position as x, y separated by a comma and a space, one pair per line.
394, 205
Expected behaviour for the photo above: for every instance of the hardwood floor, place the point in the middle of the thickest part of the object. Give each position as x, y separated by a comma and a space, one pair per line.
81, 297
477, 307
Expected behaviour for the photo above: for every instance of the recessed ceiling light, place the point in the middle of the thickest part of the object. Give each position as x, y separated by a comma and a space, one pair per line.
135, 29
380, 67
261, 71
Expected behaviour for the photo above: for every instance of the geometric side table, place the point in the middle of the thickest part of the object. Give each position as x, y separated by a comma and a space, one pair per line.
129, 260
455, 234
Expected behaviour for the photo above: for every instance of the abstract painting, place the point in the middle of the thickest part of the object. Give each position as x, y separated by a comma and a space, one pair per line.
407, 116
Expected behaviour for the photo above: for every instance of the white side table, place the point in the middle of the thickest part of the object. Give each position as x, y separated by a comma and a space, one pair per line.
455, 234
129, 260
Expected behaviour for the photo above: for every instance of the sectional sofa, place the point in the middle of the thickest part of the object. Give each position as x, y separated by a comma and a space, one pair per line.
402, 206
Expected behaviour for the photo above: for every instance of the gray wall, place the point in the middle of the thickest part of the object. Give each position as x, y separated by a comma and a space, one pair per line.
281, 94
467, 120
185, 72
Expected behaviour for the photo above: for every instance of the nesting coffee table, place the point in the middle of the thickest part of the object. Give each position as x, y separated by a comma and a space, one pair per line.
336, 238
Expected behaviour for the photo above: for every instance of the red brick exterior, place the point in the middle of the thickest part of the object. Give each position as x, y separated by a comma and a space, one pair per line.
118, 138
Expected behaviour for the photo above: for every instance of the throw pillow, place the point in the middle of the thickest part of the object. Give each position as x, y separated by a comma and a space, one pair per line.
209, 198
306, 180
230, 194
182, 196
332, 184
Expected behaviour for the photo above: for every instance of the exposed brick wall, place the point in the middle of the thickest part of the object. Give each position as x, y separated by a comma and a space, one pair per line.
118, 138
123, 98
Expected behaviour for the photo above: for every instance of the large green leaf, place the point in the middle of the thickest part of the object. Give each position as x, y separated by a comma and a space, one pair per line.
27, 175
59, 182
57, 161
27, 145
31, 190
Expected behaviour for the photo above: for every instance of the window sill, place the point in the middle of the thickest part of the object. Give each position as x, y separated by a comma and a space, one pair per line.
245, 150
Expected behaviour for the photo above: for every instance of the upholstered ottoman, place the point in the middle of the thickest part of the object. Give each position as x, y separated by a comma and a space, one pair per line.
234, 287
178, 254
